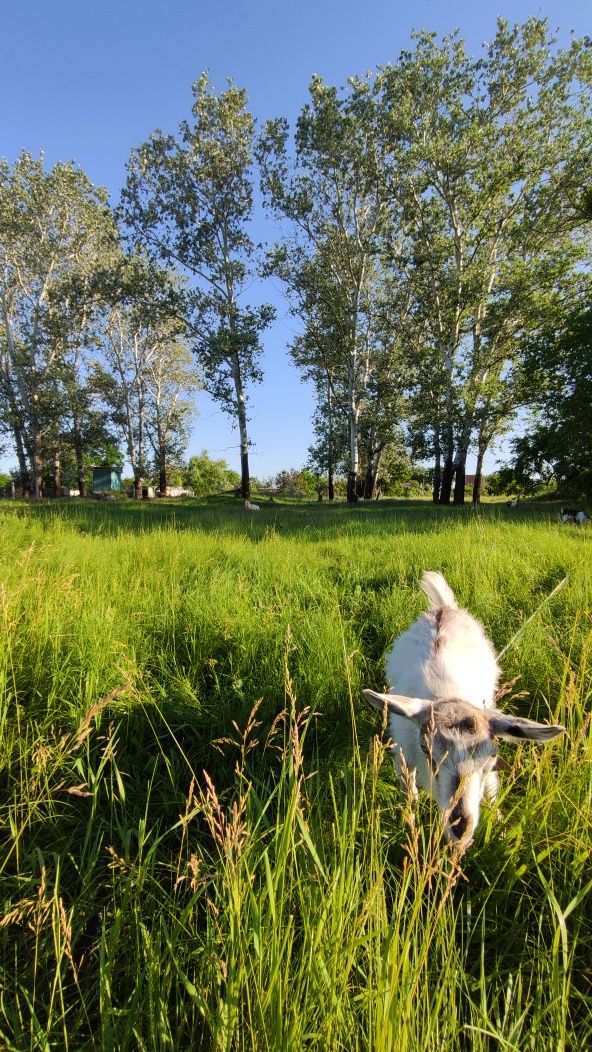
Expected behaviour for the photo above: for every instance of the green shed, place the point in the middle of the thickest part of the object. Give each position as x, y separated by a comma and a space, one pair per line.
106, 479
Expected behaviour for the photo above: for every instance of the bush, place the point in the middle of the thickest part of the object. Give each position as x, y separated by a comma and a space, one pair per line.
206, 476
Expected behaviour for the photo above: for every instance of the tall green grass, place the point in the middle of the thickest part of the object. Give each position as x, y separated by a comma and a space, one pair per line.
202, 843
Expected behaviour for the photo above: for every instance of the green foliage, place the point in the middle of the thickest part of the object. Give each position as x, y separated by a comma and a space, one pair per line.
206, 476
482, 150
435, 210
438, 232
298, 483
525, 478
188, 200
201, 842
146, 378
55, 227
503, 483
334, 188
558, 444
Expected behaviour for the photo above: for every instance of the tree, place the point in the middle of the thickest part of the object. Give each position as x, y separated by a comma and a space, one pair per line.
206, 476
52, 224
336, 197
149, 370
170, 377
302, 483
484, 157
558, 443
188, 200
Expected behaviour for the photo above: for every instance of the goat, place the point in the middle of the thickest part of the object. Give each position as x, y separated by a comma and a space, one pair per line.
251, 507
441, 716
577, 516
568, 514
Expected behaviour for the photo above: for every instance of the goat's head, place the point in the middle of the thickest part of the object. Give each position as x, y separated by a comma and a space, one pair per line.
459, 743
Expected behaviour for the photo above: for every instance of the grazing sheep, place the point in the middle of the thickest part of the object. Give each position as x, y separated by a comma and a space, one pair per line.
251, 507
441, 717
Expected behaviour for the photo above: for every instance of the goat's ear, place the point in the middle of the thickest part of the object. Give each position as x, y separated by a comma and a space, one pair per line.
515, 728
396, 703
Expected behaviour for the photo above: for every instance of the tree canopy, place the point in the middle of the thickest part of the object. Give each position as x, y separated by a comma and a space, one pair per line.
434, 247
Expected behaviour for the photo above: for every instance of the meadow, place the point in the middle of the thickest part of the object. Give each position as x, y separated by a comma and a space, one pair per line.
202, 845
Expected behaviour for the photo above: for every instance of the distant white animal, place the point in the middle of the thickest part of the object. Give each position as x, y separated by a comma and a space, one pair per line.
574, 515
513, 503
251, 507
443, 674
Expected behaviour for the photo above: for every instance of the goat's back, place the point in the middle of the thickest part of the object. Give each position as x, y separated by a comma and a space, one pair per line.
444, 654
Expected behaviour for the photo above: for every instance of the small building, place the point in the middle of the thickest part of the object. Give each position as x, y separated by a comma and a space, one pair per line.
106, 480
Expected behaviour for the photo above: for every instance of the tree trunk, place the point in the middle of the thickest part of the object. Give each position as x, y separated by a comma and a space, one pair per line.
245, 475
352, 495
372, 470
354, 453
37, 468
57, 475
460, 476
137, 485
79, 454
25, 474
461, 460
160, 450
331, 484
448, 469
242, 428
162, 475
478, 474
330, 478
446, 481
437, 466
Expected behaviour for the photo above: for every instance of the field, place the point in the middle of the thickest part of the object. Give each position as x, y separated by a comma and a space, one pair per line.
202, 843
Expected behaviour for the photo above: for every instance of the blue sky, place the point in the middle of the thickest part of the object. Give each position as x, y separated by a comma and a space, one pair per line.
86, 80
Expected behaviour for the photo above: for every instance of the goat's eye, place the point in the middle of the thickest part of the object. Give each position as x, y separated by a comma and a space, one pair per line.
426, 749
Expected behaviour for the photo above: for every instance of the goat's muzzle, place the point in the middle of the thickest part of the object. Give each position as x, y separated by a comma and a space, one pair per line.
460, 823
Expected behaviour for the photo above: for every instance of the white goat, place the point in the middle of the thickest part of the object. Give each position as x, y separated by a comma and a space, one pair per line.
577, 516
443, 673
251, 507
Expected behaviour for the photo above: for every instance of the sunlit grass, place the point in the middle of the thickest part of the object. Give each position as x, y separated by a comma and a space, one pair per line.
202, 841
